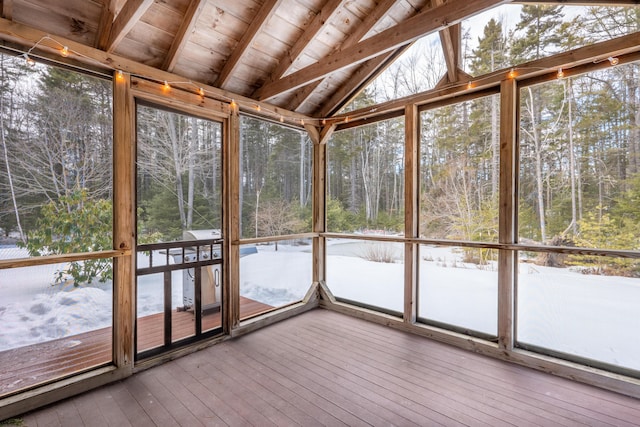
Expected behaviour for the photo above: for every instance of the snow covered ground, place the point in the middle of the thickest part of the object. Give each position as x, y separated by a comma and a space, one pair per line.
590, 316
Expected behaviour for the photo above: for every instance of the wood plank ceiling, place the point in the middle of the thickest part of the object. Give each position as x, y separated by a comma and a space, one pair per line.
309, 56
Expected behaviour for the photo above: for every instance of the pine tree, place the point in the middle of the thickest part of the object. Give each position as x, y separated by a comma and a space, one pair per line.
540, 25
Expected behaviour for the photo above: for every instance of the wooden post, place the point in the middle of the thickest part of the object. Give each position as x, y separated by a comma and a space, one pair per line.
411, 216
506, 257
231, 220
124, 151
318, 204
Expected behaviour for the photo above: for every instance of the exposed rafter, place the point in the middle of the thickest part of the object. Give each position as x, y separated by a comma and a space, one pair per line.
365, 74
106, 21
186, 28
450, 39
130, 14
423, 23
266, 11
353, 38
318, 22
7, 9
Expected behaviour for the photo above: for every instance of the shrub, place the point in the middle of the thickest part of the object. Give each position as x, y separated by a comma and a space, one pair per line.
379, 252
75, 224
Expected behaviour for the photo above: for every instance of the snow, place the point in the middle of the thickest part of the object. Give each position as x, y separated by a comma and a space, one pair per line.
595, 317
277, 277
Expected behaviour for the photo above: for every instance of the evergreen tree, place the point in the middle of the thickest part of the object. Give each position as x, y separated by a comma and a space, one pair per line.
536, 35
492, 51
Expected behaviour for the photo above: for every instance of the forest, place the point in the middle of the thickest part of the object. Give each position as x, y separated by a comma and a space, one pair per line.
579, 147
579, 152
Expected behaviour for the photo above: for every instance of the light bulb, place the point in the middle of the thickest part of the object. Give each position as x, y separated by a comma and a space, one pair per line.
469, 85
166, 85
512, 74
119, 75
232, 104
281, 119
560, 73
258, 108
613, 60
30, 62
64, 51
201, 91
302, 122
324, 122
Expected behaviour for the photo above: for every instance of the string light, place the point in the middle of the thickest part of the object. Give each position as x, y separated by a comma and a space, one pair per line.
65, 52
30, 62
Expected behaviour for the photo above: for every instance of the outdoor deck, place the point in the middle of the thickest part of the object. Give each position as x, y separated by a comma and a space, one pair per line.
325, 368
39, 363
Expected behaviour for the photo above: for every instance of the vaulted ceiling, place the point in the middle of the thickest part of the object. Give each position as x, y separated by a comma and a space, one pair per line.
309, 56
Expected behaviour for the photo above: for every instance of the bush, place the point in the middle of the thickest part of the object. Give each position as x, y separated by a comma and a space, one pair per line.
379, 252
75, 224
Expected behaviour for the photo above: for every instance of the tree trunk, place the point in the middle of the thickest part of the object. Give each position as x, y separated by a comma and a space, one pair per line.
572, 160
173, 137
23, 238
538, 168
495, 147
192, 146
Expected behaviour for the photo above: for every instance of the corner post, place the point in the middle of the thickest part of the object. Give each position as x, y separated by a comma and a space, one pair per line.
124, 226
411, 220
507, 222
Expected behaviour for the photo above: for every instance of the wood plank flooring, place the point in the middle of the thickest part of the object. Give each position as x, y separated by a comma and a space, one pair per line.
40, 363
325, 368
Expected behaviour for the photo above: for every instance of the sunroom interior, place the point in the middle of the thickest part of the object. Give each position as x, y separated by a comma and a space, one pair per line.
179, 173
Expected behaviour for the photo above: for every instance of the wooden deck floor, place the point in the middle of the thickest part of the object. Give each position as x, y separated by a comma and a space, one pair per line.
29, 366
324, 368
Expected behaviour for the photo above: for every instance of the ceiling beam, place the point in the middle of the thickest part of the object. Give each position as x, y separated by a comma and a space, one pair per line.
425, 22
106, 21
187, 27
450, 39
368, 23
354, 37
267, 10
129, 15
318, 22
361, 78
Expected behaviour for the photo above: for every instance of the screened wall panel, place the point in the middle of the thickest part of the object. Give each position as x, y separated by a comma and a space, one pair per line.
275, 179
579, 187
